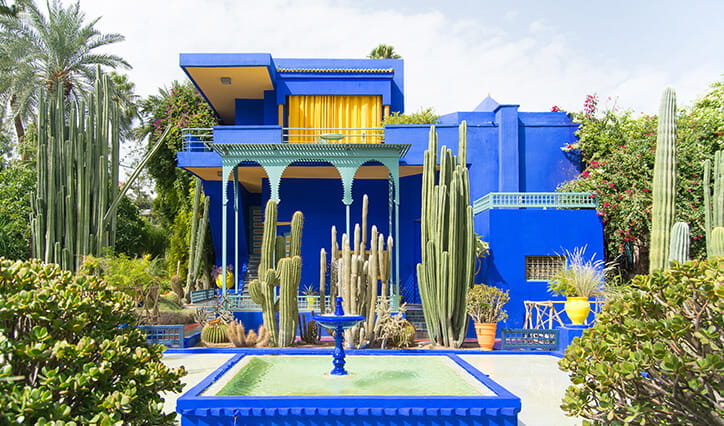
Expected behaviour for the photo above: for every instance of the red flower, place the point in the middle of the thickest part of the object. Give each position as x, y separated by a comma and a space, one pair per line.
646, 190
610, 185
585, 174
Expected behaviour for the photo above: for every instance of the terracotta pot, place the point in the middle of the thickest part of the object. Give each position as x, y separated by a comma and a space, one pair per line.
577, 309
485, 331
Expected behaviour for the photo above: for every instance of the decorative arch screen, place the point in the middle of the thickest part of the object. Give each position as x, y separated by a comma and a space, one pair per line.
335, 114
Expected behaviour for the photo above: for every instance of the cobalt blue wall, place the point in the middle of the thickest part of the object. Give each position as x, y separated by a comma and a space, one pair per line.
516, 233
249, 112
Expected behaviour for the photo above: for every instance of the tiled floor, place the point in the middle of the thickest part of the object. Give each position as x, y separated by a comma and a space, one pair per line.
536, 379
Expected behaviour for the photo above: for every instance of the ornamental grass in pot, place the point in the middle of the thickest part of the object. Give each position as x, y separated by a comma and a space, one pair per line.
581, 279
484, 304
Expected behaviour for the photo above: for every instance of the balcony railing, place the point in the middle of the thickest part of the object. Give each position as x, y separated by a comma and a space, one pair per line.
199, 139
538, 200
333, 135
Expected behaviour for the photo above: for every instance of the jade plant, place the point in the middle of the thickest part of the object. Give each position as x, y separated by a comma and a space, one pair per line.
70, 352
448, 241
484, 303
279, 268
654, 355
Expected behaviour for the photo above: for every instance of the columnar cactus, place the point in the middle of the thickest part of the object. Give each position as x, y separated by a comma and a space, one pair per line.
717, 242
276, 269
448, 242
358, 272
679, 246
713, 198
664, 185
77, 176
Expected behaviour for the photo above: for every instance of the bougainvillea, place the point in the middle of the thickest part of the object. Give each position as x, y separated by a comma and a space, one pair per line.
618, 151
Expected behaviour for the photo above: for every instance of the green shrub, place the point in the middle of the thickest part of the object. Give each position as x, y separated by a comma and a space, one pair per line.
655, 353
68, 354
423, 116
484, 303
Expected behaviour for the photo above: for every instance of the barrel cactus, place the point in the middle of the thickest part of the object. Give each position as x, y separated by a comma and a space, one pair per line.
214, 332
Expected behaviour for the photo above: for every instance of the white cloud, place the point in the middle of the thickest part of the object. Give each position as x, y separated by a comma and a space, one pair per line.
450, 64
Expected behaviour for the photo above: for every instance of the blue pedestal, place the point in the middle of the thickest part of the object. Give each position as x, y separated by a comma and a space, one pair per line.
568, 333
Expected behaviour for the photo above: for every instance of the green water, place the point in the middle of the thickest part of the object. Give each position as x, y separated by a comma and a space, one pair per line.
278, 375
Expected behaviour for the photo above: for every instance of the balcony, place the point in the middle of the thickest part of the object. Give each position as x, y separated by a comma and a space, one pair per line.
537, 200
200, 139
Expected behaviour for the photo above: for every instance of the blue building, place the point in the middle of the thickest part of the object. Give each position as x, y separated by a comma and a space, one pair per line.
308, 133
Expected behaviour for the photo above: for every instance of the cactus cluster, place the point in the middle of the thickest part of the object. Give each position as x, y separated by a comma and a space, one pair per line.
448, 242
714, 204
356, 273
309, 331
279, 268
240, 338
199, 225
664, 184
77, 176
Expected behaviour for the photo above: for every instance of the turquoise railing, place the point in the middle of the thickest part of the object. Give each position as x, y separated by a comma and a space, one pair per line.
538, 200
199, 138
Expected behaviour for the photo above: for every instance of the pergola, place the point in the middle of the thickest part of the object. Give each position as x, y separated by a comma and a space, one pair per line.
274, 158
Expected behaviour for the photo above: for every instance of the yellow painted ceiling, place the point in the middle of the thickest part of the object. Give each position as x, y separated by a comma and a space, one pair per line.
246, 83
251, 177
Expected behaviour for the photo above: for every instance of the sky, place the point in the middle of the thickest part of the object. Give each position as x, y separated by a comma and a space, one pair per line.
533, 53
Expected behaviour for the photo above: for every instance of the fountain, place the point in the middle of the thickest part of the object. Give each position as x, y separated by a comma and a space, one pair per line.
338, 323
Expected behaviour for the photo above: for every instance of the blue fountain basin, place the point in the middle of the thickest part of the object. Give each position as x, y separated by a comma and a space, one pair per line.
334, 321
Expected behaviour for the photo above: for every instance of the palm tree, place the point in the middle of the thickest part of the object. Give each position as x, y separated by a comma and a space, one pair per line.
384, 51
39, 51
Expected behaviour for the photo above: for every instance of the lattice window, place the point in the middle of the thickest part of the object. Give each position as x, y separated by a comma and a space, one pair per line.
543, 268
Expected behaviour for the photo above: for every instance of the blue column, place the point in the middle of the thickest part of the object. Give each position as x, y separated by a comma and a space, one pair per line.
506, 116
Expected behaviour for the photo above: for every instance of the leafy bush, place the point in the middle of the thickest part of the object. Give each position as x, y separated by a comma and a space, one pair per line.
617, 148
17, 182
67, 354
423, 116
655, 353
484, 303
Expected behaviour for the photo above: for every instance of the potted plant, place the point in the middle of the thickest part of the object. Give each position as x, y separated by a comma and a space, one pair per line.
484, 304
218, 277
310, 295
581, 279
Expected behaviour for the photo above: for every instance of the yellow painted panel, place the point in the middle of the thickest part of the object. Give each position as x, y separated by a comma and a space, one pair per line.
337, 112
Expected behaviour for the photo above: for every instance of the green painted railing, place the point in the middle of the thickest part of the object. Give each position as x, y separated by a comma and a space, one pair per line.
538, 200
199, 138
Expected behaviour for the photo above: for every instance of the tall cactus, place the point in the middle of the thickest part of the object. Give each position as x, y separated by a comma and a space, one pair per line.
679, 246
664, 185
717, 242
713, 198
276, 269
448, 242
77, 179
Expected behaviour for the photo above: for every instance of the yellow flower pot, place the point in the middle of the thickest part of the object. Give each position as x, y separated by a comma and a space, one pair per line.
229, 280
485, 332
577, 309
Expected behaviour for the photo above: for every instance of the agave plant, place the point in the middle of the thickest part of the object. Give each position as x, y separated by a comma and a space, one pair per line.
582, 276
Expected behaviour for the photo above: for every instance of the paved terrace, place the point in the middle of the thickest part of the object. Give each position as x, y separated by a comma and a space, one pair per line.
535, 378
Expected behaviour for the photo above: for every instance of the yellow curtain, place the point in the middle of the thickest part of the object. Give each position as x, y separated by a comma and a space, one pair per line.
335, 113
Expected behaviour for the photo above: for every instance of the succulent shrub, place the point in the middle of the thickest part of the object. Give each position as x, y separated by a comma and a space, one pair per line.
654, 355
69, 352
485, 303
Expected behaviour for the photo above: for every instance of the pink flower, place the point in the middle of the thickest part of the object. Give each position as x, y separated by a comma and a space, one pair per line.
606, 204
646, 190
610, 185
585, 174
